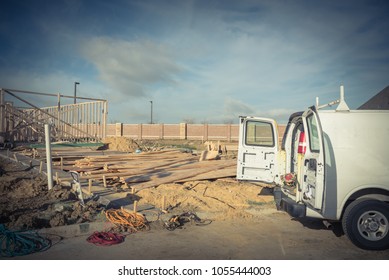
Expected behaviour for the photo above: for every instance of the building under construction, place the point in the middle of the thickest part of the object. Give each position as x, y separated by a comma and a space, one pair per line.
21, 120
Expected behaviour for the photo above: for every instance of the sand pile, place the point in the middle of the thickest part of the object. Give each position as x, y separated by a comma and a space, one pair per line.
223, 199
121, 144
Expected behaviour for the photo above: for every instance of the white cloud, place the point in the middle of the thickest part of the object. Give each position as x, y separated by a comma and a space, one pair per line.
131, 68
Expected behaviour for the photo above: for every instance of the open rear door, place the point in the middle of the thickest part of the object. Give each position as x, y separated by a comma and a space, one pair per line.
314, 161
258, 148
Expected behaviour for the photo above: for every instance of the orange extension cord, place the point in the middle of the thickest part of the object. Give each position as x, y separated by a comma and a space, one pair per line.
127, 221
124, 222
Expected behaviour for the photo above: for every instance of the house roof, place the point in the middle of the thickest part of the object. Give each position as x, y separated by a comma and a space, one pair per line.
380, 101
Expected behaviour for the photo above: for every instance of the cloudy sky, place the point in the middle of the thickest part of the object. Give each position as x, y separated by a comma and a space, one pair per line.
198, 61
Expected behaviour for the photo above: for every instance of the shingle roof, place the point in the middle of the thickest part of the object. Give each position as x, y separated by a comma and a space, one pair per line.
380, 101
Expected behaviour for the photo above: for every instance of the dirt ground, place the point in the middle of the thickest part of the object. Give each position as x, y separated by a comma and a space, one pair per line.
243, 222
26, 203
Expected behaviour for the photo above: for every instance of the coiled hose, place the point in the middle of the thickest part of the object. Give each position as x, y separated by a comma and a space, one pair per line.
19, 243
124, 221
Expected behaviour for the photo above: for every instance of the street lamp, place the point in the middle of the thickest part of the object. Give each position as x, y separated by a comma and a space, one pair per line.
75, 91
151, 116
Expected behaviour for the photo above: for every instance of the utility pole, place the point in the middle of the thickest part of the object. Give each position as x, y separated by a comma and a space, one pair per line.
151, 115
75, 91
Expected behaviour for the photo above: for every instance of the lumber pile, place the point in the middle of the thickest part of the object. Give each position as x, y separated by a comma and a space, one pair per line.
146, 170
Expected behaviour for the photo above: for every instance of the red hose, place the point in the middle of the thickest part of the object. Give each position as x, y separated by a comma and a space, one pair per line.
105, 238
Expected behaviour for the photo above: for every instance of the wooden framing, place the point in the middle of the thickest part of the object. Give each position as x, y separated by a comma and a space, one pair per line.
84, 121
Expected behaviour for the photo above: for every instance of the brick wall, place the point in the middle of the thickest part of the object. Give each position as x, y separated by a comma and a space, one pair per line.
204, 132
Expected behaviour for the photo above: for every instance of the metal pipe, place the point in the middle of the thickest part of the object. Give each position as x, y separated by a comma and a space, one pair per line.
2, 117
48, 157
151, 117
327, 224
75, 91
341, 93
342, 103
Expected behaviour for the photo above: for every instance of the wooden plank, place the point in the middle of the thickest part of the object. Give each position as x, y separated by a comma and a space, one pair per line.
178, 175
126, 173
215, 174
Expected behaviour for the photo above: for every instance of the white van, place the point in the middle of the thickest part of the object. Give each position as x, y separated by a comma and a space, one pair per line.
331, 164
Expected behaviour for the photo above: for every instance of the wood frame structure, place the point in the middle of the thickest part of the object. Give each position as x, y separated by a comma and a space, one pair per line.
86, 121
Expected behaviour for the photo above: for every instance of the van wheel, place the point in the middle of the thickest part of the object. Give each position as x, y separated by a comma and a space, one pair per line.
366, 224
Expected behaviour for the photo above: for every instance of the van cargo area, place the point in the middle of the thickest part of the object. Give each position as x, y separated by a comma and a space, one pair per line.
331, 164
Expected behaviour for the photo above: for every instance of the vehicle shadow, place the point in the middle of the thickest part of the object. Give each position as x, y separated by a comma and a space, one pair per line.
317, 224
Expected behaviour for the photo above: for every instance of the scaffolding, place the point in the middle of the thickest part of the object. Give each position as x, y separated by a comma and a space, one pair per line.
78, 122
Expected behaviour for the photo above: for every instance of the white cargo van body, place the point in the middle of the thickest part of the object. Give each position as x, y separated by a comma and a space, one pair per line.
340, 160
356, 146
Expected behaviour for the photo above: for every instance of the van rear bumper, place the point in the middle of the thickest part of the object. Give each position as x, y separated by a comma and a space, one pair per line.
288, 205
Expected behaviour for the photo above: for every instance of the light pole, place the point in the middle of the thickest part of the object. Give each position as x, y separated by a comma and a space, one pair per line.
151, 115
75, 91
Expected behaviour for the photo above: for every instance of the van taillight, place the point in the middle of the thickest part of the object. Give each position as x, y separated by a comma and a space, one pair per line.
302, 147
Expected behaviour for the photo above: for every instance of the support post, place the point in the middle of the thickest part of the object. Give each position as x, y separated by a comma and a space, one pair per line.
90, 186
48, 157
163, 203
104, 181
2, 117
135, 206
183, 131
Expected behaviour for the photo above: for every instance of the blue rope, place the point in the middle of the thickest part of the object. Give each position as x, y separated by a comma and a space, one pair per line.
20, 243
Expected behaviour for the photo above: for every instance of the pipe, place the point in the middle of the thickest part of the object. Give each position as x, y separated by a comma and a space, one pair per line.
327, 224
342, 103
48, 157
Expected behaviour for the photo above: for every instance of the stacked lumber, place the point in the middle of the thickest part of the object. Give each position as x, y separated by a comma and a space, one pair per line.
67, 158
145, 170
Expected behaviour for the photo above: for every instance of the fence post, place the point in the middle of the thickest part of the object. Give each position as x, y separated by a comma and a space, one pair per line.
161, 131
183, 131
119, 129
205, 132
2, 117
48, 157
140, 131
229, 132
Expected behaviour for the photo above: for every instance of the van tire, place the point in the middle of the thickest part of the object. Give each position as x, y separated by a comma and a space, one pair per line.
366, 224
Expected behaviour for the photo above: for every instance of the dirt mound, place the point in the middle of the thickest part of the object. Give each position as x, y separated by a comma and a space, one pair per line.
26, 202
121, 144
221, 199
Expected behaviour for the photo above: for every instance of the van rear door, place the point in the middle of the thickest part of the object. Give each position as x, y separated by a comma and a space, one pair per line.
314, 161
258, 150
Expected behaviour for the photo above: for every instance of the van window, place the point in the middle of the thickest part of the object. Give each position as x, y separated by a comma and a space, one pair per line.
314, 143
259, 134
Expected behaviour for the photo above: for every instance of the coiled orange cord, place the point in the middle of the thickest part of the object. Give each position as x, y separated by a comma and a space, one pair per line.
127, 221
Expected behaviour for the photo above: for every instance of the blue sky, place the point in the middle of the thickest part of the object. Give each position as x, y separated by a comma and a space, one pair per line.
199, 61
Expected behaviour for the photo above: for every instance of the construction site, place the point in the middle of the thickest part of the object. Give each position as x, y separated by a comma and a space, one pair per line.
62, 178
150, 180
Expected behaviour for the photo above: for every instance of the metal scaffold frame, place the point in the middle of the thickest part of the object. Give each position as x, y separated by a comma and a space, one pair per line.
86, 121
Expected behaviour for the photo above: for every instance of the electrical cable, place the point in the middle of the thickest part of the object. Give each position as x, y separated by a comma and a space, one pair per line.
19, 243
177, 221
127, 221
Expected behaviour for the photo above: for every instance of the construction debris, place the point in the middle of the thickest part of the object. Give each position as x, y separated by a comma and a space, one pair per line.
146, 170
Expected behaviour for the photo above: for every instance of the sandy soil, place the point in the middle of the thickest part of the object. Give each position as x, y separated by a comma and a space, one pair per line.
244, 222
26, 202
222, 199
